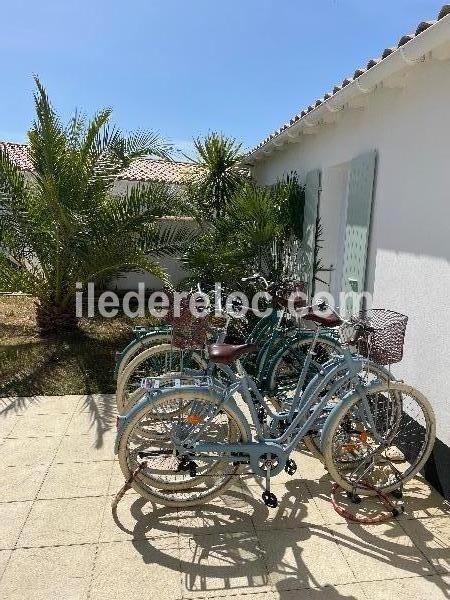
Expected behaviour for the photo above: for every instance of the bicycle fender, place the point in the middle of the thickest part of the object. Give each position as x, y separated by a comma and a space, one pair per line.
137, 341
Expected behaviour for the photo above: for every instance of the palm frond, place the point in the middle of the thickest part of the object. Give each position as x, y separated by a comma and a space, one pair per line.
66, 223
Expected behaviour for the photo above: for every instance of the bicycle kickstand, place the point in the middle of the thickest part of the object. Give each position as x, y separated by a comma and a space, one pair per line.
268, 497
127, 485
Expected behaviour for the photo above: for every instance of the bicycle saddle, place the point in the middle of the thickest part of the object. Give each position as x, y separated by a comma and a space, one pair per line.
327, 319
227, 353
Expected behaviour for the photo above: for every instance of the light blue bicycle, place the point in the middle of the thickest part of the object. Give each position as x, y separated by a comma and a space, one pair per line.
190, 436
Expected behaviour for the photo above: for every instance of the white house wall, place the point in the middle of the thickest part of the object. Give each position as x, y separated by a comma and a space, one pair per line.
409, 249
173, 266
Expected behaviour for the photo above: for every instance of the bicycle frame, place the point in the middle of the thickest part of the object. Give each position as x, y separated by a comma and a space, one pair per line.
299, 416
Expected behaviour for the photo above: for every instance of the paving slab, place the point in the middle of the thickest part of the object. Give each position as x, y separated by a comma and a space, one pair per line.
409, 588
63, 522
223, 564
21, 482
12, 519
4, 559
350, 591
380, 552
7, 422
136, 518
232, 512
432, 537
421, 500
133, 570
42, 404
20, 452
75, 480
86, 448
48, 573
296, 507
304, 557
40, 425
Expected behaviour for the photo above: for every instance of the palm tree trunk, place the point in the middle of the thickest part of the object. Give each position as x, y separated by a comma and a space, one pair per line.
53, 318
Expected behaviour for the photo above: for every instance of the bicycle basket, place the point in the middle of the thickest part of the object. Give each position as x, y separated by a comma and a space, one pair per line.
188, 330
380, 335
283, 291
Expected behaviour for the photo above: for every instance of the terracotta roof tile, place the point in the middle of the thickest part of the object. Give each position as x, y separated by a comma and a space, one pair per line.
445, 10
405, 39
19, 154
148, 169
388, 51
423, 26
141, 169
358, 72
373, 61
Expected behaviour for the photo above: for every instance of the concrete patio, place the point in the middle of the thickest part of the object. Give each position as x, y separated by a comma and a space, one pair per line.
60, 540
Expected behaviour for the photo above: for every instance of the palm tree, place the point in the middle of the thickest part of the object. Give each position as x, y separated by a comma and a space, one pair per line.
220, 173
256, 232
64, 224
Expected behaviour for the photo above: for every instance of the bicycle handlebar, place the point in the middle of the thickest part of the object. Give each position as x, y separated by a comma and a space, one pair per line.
254, 278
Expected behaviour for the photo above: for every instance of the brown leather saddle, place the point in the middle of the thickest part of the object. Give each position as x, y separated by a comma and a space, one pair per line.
327, 320
227, 353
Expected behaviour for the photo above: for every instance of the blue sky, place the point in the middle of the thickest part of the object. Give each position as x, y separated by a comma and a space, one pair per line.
239, 66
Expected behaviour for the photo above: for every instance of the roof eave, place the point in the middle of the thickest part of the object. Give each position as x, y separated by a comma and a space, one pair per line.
326, 109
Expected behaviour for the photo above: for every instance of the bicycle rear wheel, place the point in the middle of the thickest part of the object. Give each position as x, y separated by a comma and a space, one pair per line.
379, 439
148, 437
153, 362
137, 346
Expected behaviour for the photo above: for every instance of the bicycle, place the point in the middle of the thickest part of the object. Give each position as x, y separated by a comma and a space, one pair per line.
282, 345
186, 440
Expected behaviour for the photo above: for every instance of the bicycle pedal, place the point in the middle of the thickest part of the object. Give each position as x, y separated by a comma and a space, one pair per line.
397, 494
290, 467
262, 414
270, 499
354, 498
187, 465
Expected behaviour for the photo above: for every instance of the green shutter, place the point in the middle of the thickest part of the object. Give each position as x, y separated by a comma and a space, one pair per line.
312, 191
359, 209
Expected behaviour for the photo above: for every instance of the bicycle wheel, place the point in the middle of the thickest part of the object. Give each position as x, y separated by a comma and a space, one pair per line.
285, 371
152, 362
369, 373
380, 438
182, 413
136, 346
287, 365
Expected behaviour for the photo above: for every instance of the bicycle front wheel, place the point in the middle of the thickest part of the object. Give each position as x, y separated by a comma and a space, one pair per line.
379, 438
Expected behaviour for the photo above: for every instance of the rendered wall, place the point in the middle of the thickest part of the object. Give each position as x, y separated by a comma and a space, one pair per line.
409, 250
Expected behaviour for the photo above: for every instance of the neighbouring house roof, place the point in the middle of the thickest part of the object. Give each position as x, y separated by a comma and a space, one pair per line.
149, 169
142, 169
272, 141
19, 154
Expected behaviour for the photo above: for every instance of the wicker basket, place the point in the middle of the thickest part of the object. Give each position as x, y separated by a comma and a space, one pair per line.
188, 331
380, 334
